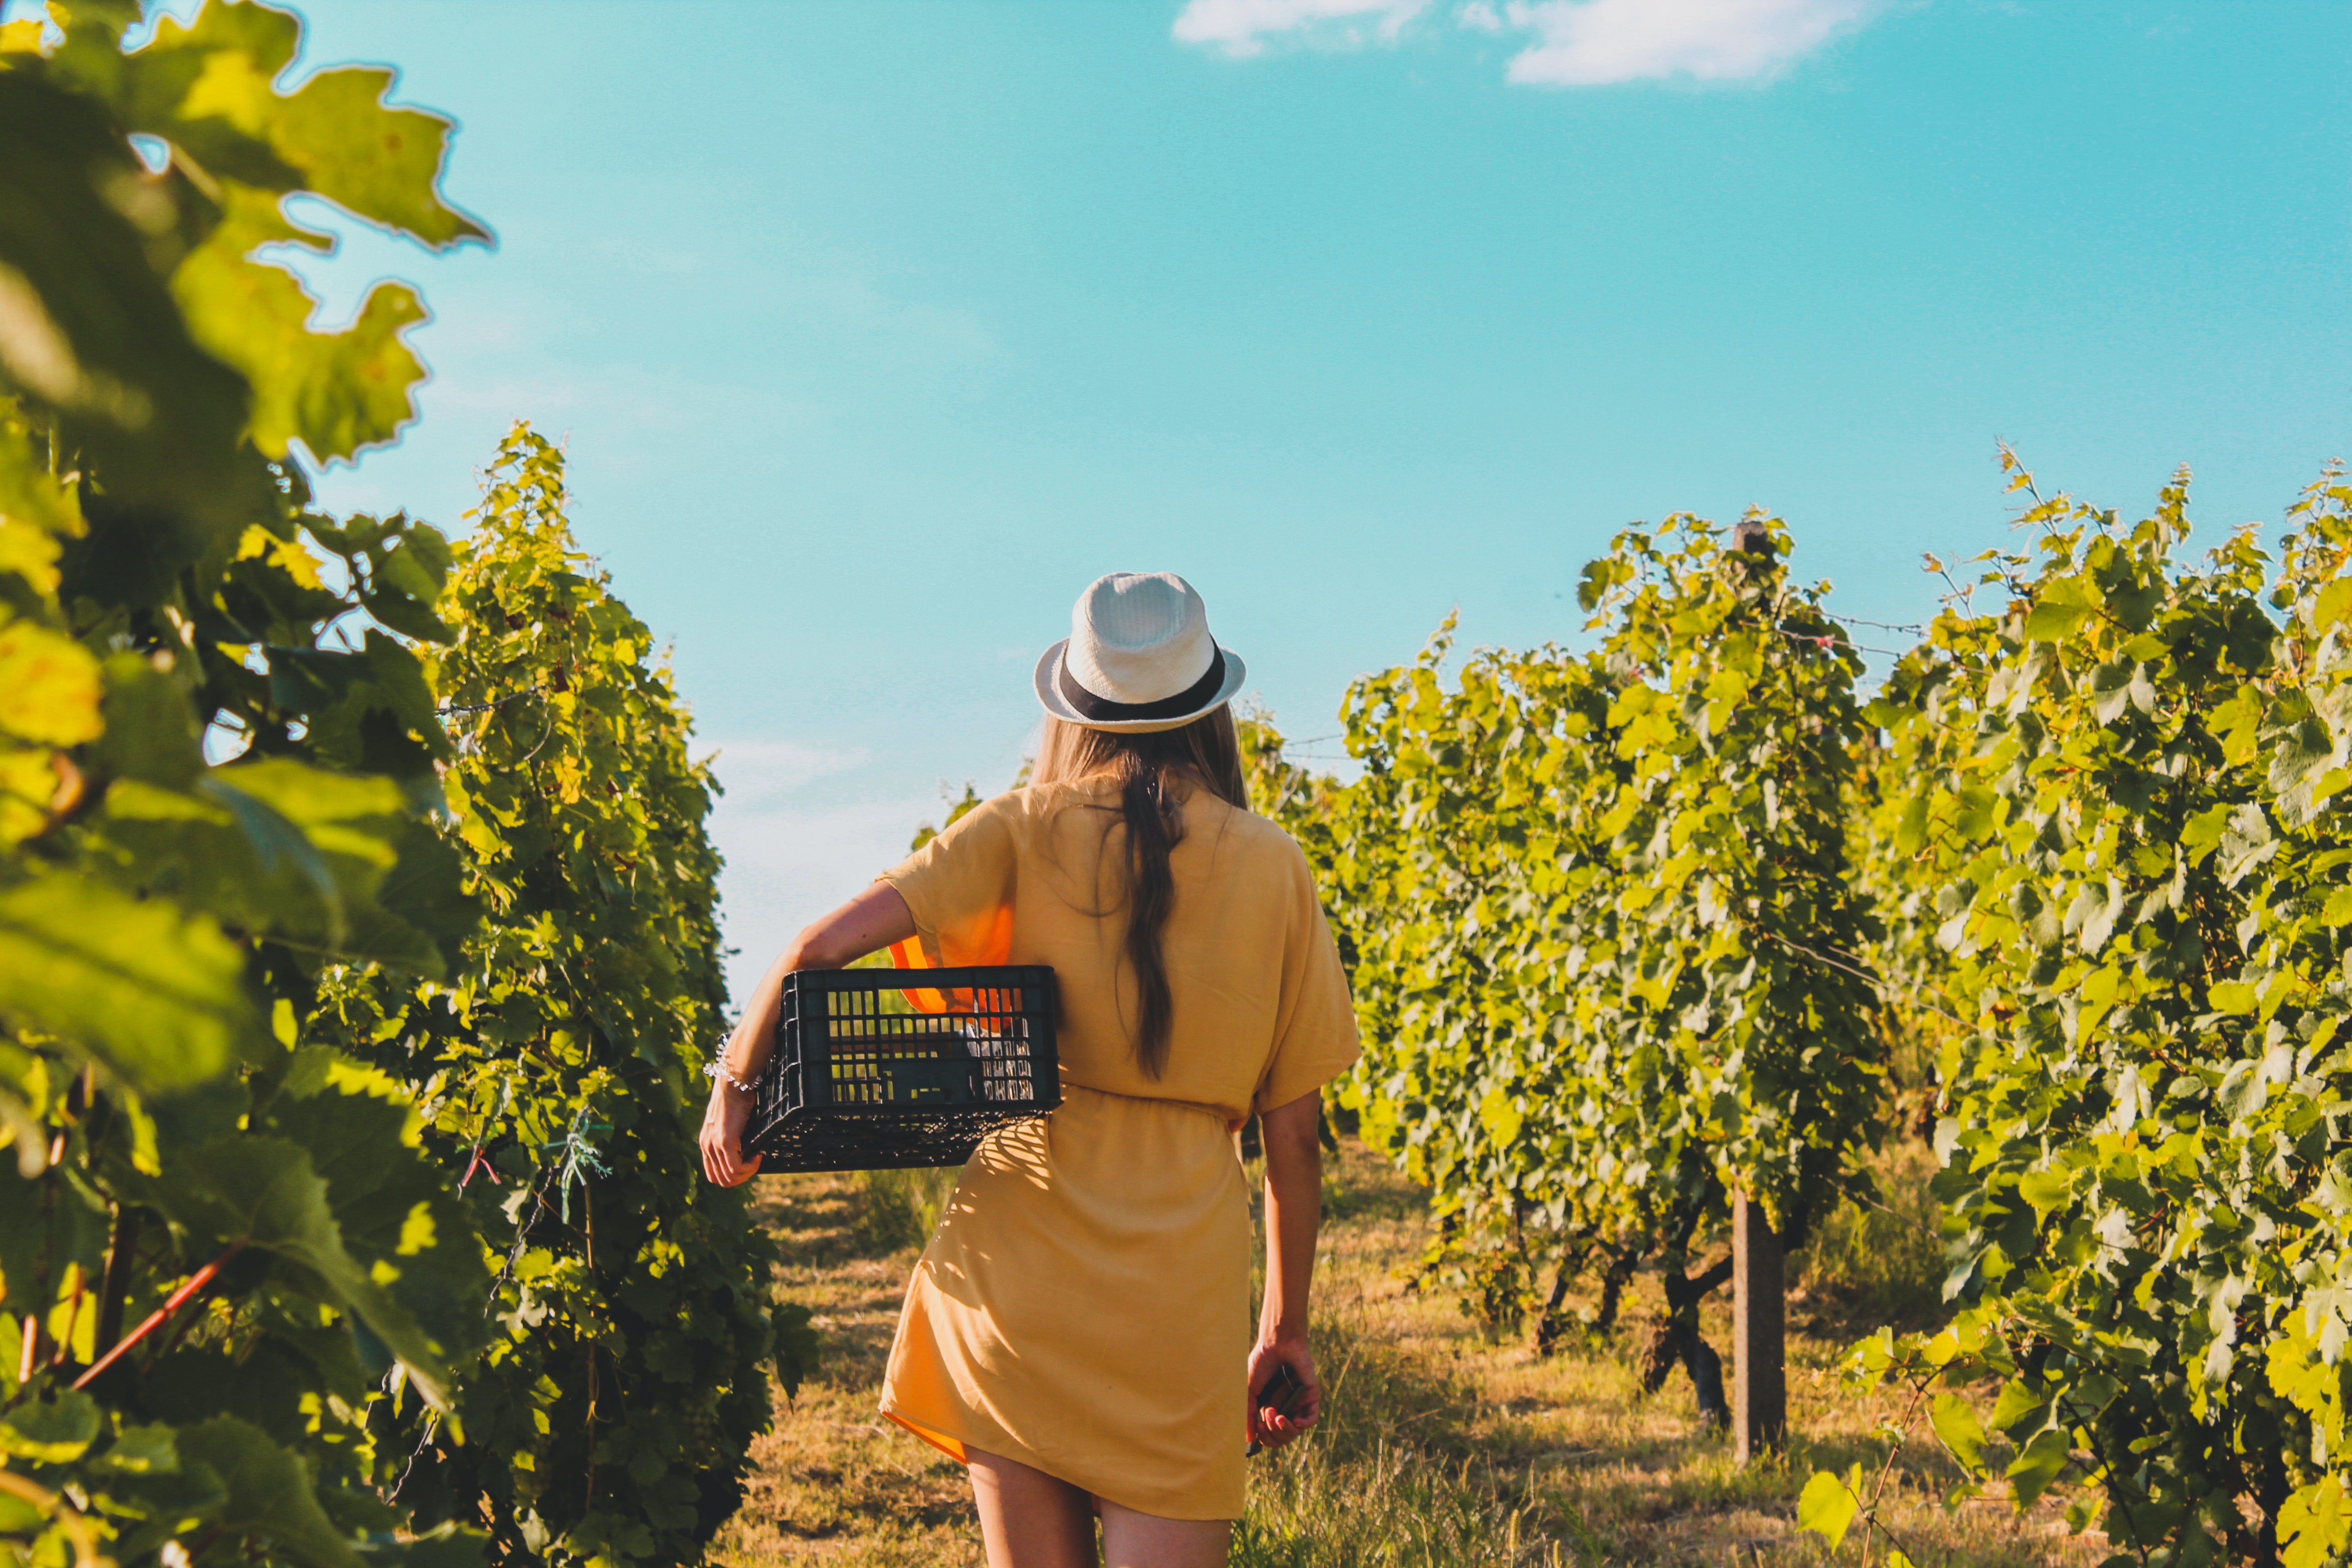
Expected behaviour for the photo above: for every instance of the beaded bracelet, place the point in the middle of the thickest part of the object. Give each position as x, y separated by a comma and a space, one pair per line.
717, 1071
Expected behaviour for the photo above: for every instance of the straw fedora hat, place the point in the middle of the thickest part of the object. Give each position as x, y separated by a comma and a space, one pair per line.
1138, 657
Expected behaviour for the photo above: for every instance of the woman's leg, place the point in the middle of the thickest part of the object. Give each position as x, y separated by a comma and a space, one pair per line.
1132, 1540
1028, 1518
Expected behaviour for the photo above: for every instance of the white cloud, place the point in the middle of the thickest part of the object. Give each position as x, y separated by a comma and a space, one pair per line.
1237, 26
788, 865
1573, 43
794, 851
802, 828
1587, 42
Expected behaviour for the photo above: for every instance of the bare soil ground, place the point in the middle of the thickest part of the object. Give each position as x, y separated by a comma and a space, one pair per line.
1443, 1446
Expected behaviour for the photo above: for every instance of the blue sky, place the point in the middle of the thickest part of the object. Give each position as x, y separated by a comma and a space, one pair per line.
875, 330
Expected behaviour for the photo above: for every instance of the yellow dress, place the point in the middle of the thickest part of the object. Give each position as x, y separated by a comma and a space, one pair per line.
1085, 1305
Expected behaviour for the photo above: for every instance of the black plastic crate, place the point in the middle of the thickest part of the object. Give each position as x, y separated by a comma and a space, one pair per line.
861, 1079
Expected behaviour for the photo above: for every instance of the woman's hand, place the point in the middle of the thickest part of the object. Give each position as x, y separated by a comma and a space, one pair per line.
1293, 1208
868, 923
723, 1160
1268, 1425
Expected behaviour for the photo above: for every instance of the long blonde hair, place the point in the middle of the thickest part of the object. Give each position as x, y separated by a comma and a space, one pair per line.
1206, 754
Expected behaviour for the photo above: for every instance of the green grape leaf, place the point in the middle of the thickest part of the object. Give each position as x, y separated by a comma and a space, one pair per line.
2111, 687
797, 1346
338, 392
48, 685
55, 1431
36, 502
1955, 1421
446, 1546
2313, 1526
153, 991
278, 844
270, 1494
314, 796
425, 893
347, 697
175, 1501
2059, 610
334, 135
87, 329
391, 1207
140, 1450
18, 1516
1829, 1503
263, 1192
151, 729
2046, 1191
2202, 833
297, 853
2331, 604
210, 89
2234, 996
2038, 1464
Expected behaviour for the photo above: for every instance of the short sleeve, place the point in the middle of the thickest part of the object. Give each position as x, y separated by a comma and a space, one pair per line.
959, 885
1315, 1036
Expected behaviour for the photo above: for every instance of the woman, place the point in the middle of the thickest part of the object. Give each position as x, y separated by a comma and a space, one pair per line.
1076, 1332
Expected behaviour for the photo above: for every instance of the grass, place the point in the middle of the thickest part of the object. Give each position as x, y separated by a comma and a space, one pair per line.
1441, 1447
1881, 1261
900, 1208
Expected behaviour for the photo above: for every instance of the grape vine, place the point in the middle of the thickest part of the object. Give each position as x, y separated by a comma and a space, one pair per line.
1582, 899
223, 1252
2113, 799
558, 1070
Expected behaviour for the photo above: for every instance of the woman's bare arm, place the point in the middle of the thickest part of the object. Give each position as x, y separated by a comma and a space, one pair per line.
868, 923
1294, 1212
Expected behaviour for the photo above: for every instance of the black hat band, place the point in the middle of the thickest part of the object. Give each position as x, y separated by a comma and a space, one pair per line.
1103, 710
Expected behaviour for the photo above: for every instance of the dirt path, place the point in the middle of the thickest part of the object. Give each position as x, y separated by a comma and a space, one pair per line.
1444, 1447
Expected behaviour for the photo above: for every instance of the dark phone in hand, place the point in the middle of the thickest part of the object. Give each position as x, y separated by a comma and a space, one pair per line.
1281, 1395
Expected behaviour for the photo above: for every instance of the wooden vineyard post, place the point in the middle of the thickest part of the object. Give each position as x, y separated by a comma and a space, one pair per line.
1759, 1310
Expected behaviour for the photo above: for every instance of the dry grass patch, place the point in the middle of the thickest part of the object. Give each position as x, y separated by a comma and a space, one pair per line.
833, 1482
